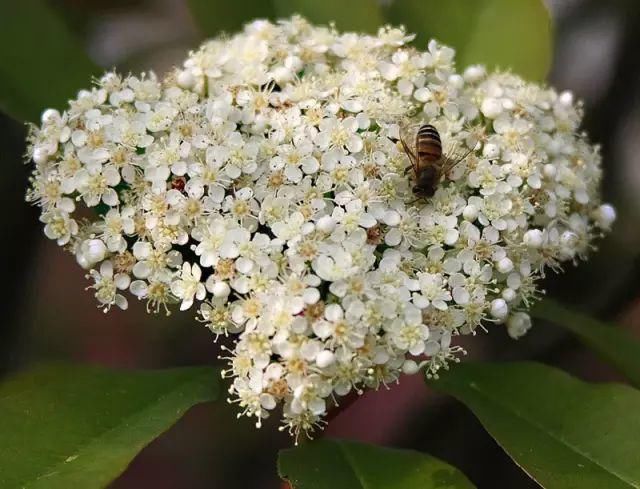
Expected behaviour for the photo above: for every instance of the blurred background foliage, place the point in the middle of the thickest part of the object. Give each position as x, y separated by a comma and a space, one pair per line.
46, 314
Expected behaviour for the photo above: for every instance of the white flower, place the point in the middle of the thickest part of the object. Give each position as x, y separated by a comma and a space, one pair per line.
334, 264
59, 226
290, 228
97, 185
154, 262
433, 290
107, 286
218, 239
117, 224
295, 159
336, 133
188, 285
408, 333
161, 117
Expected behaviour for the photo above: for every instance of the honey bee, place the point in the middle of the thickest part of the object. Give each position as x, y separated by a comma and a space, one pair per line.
429, 163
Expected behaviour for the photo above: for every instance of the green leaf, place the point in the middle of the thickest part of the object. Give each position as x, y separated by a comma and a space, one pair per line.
67, 426
41, 64
338, 464
512, 34
217, 16
613, 343
355, 15
563, 432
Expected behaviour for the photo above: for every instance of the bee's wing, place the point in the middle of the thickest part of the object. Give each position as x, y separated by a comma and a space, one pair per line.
408, 132
407, 148
450, 162
411, 155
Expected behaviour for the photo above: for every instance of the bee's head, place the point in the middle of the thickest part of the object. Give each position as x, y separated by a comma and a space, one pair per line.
424, 190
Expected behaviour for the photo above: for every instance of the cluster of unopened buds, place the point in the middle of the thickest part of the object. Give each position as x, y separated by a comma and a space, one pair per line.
264, 184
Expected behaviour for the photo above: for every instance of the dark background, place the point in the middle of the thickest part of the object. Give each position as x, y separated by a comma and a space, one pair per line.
46, 314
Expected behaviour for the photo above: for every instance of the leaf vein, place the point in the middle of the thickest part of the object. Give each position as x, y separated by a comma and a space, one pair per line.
352, 465
559, 439
125, 421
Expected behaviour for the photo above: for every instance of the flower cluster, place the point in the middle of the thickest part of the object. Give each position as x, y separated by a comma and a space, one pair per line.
263, 183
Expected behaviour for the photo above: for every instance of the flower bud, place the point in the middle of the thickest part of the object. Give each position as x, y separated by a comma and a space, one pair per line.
499, 309
220, 289
40, 154
491, 107
470, 213
410, 367
518, 324
508, 294
92, 251
505, 265
533, 238
325, 359
50, 115
605, 215
185, 79
326, 224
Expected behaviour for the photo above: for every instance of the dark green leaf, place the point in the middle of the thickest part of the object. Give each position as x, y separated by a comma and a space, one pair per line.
338, 464
512, 34
217, 16
79, 427
612, 342
563, 432
41, 64
355, 15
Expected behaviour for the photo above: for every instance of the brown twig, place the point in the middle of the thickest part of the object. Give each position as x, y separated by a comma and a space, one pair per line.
342, 404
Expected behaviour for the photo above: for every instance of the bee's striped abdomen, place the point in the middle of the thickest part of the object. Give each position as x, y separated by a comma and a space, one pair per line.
428, 144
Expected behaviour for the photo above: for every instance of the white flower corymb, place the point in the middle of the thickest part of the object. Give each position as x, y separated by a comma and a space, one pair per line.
264, 181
